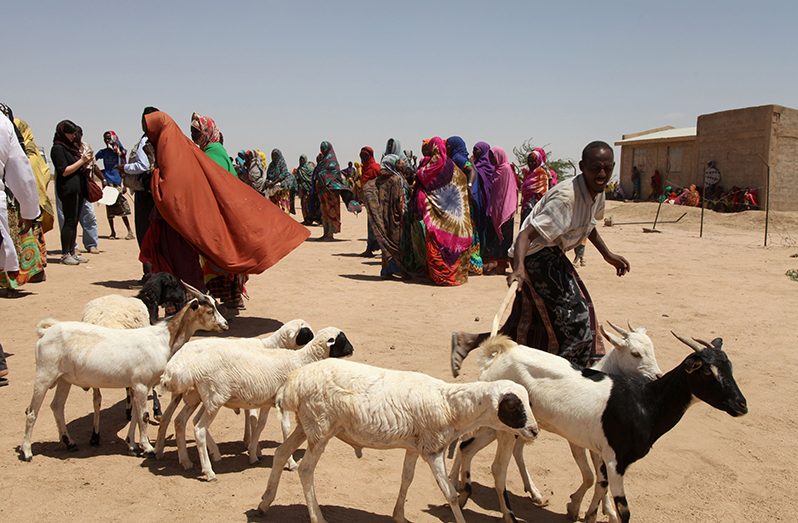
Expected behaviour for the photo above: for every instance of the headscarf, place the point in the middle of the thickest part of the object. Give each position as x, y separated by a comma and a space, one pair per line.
206, 126
241, 161
304, 173
394, 147
457, 150
429, 171
116, 145
485, 174
278, 170
6, 110
504, 192
370, 169
329, 172
61, 138
251, 169
388, 165
539, 156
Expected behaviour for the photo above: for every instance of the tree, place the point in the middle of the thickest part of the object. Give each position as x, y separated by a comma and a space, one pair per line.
564, 167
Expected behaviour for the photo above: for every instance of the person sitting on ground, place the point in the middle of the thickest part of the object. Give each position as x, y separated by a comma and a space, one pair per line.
552, 310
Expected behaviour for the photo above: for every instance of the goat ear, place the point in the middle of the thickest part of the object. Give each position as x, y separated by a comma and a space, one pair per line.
194, 304
717, 343
693, 365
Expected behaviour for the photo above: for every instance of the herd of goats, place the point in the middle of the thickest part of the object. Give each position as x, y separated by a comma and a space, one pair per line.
615, 410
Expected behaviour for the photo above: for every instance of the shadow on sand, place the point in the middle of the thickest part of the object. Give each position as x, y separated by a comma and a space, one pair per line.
112, 420
123, 284
332, 513
234, 459
246, 327
485, 498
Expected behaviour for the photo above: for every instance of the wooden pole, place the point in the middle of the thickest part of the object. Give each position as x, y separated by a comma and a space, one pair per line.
767, 204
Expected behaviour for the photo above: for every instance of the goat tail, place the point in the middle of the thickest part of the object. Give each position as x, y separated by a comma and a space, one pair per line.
175, 381
43, 325
493, 347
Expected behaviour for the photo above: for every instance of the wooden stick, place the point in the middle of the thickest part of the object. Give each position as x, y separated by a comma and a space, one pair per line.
508, 299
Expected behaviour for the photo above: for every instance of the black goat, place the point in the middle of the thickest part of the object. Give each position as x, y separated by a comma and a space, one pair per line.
161, 288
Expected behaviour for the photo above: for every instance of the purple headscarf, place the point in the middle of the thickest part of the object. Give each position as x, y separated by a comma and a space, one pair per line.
485, 174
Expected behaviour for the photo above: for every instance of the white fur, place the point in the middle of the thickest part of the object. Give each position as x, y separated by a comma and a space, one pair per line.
90, 356
372, 407
284, 338
234, 374
118, 312
546, 375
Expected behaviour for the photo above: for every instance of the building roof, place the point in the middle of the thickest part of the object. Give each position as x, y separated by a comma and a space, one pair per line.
660, 135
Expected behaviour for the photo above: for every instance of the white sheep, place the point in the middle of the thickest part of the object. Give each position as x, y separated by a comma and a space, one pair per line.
118, 312
90, 356
291, 335
238, 375
617, 417
632, 355
372, 407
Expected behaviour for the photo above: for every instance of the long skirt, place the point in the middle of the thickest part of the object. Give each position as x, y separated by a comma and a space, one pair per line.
494, 248
443, 273
330, 210
27, 249
167, 251
475, 261
280, 199
554, 313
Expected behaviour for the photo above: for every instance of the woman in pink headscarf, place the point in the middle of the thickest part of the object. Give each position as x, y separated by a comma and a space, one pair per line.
442, 201
501, 211
536, 180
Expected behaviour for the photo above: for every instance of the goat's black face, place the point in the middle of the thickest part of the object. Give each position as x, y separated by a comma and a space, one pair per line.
304, 336
340, 346
511, 411
711, 380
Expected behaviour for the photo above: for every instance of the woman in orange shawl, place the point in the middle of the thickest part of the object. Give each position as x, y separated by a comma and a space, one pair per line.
230, 224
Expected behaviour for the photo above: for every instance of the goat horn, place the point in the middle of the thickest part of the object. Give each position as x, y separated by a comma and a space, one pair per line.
690, 343
629, 324
191, 289
611, 337
620, 330
704, 342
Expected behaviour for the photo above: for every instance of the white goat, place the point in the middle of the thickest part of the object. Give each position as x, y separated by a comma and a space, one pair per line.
371, 407
632, 355
291, 335
238, 376
116, 312
90, 356
617, 417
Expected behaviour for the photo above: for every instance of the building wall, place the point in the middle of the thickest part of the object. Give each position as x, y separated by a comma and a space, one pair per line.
654, 156
735, 140
784, 160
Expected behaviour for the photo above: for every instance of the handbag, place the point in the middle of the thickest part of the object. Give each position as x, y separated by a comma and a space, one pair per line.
95, 191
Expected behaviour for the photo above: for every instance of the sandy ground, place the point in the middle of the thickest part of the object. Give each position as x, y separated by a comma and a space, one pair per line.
710, 467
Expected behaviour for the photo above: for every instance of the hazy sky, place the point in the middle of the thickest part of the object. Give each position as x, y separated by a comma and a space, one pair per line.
291, 74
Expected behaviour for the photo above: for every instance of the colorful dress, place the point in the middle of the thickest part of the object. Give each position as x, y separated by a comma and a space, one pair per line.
458, 152
443, 204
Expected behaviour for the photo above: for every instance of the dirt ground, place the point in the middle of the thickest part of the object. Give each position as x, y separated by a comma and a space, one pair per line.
710, 467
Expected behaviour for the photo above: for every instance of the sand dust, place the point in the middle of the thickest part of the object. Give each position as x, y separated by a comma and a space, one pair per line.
710, 467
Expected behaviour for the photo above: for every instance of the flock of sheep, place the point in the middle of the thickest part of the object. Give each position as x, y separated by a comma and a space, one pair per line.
615, 410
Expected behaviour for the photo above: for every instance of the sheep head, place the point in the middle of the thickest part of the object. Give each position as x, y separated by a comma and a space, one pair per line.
330, 342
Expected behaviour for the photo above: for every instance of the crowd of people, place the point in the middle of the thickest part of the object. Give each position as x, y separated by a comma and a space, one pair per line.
443, 218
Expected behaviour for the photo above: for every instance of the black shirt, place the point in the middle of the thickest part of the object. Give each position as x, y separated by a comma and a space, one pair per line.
76, 182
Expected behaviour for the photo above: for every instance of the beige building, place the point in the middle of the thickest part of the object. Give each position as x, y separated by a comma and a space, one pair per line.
740, 142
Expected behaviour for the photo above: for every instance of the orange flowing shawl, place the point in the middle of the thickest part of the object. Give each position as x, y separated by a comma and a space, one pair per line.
226, 220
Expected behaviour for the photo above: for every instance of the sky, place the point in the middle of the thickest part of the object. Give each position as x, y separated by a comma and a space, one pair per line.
288, 75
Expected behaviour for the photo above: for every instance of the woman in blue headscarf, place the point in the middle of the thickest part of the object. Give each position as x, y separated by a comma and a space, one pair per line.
458, 152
